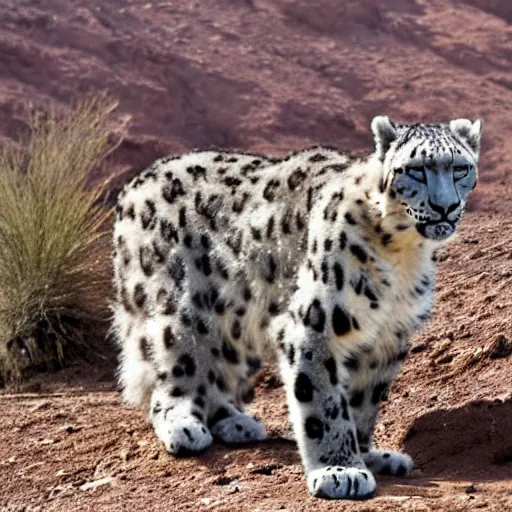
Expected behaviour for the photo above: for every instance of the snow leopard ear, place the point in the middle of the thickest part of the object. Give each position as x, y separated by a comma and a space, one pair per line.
384, 133
469, 132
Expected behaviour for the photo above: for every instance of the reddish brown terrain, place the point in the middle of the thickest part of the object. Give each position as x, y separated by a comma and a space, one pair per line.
275, 75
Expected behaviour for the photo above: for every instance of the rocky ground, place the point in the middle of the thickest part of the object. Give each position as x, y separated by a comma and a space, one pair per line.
275, 75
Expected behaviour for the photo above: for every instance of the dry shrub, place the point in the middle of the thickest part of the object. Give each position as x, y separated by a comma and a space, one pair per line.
54, 243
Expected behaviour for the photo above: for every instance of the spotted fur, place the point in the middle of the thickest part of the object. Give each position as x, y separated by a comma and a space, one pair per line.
326, 259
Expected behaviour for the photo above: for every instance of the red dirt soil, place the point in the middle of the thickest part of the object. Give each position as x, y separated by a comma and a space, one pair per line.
276, 75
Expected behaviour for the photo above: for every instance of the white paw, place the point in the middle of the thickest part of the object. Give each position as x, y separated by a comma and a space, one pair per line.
184, 434
388, 462
338, 482
239, 429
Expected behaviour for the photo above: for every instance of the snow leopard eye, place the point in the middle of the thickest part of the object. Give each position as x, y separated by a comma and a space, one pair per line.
416, 173
460, 171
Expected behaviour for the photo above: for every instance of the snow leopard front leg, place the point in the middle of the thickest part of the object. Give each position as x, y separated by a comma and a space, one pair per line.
319, 410
364, 405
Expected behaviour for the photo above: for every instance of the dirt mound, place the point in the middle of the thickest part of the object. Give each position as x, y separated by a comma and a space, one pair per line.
269, 75
455, 443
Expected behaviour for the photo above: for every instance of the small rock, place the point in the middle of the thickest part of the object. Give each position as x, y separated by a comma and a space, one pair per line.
266, 469
223, 480
41, 405
501, 347
108, 480
470, 489
70, 429
205, 501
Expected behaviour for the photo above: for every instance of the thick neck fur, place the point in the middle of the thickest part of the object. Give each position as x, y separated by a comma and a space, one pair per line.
389, 230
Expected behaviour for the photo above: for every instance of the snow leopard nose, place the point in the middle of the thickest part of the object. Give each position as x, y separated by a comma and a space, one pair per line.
444, 209
442, 194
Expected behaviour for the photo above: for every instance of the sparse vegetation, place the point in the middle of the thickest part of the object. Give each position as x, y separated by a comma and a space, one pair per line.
54, 243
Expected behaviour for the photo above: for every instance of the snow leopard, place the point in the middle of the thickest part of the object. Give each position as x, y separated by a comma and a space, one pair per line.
322, 259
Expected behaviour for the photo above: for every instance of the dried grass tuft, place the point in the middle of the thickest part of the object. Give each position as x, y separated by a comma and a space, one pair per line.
54, 243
